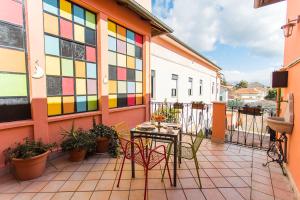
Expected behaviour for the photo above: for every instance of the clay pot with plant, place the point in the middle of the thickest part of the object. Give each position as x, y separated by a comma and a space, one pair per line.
28, 159
78, 143
198, 105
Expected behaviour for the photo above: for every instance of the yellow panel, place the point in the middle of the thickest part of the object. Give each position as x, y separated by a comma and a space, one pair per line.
112, 101
52, 65
12, 60
139, 99
50, 24
121, 33
112, 28
78, 33
65, 9
121, 60
80, 69
54, 106
112, 87
138, 76
130, 49
80, 86
112, 58
68, 105
139, 87
130, 62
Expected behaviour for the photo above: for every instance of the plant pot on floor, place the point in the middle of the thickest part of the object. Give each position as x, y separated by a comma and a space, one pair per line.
102, 144
77, 155
30, 168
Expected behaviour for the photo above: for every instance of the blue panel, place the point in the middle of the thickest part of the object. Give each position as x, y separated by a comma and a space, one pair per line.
130, 36
112, 44
51, 6
131, 87
51, 45
81, 103
78, 14
91, 70
138, 64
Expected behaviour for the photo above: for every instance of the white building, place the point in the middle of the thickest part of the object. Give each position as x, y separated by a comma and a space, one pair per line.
249, 95
223, 93
180, 74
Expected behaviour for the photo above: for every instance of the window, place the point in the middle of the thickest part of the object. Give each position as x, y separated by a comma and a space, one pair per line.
190, 90
200, 87
125, 59
213, 87
14, 95
152, 83
71, 64
174, 85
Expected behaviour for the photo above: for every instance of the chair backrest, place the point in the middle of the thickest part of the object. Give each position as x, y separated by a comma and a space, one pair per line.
122, 130
138, 150
199, 138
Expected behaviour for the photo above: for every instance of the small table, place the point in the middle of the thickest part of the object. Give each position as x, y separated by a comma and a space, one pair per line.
162, 135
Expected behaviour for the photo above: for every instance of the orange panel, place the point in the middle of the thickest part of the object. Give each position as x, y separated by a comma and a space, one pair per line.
12, 60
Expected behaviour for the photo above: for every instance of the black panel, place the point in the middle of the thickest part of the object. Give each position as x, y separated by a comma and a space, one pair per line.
112, 72
122, 100
79, 51
53, 86
130, 75
138, 52
280, 79
13, 109
90, 36
66, 48
11, 36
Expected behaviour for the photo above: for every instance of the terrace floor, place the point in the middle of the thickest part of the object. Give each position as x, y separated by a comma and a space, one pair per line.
228, 172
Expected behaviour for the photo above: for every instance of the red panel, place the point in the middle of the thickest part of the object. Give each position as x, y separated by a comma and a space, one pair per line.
90, 54
66, 30
122, 76
131, 100
11, 11
138, 39
68, 86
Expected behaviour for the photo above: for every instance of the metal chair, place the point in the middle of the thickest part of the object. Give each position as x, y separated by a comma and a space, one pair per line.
147, 158
188, 151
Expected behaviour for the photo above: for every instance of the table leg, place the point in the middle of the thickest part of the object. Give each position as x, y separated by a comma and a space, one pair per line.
175, 161
132, 153
180, 140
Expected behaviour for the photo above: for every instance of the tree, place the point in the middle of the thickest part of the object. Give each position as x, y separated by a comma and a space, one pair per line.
241, 84
272, 93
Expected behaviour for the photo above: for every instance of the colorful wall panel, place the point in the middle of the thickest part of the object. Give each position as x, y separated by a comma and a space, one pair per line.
14, 97
125, 66
71, 64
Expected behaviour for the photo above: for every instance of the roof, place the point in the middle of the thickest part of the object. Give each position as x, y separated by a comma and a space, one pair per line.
261, 3
193, 50
158, 27
247, 91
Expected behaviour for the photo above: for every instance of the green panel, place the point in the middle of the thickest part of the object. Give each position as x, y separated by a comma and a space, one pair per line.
92, 102
13, 85
90, 20
67, 67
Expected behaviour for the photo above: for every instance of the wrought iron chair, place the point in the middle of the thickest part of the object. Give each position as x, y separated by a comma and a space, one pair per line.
147, 158
188, 151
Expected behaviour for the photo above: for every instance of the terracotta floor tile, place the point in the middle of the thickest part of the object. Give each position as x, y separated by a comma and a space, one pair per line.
155, 184
70, 186
282, 184
43, 196
245, 192
53, 186
207, 183
72, 167
247, 179
206, 165
94, 175
98, 167
221, 182
78, 176
227, 172
261, 172
156, 174
105, 185
171, 187
231, 194
157, 194
188, 183
109, 175
7, 196
194, 194
241, 172
261, 179
283, 194
24, 196
119, 195
47, 177
184, 173
256, 195
212, 173
103, 195
175, 195
232, 165
81, 195
62, 196
14, 186
136, 195
201, 172
124, 185
35, 186
236, 182
85, 167
213, 194
87, 185
137, 184
267, 189
219, 165
62, 176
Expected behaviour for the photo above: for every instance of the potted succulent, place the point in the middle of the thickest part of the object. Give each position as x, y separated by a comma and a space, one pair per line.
78, 143
28, 159
106, 139
198, 105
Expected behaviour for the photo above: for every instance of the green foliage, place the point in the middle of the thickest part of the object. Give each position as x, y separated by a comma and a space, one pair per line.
234, 103
78, 139
272, 94
28, 149
241, 84
170, 114
101, 130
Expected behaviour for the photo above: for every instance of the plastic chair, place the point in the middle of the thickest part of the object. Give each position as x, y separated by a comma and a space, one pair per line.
189, 152
147, 158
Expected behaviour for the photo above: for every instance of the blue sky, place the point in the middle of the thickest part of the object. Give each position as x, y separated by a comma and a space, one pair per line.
246, 42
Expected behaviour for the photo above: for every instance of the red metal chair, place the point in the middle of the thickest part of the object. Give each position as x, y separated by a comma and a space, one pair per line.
147, 158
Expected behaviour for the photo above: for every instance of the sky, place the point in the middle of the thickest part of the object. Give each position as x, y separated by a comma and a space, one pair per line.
246, 43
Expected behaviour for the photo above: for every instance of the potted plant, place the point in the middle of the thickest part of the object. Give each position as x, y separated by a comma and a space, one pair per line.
178, 105
28, 159
198, 105
106, 139
78, 143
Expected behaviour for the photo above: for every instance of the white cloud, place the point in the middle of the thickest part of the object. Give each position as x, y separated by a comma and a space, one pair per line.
203, 23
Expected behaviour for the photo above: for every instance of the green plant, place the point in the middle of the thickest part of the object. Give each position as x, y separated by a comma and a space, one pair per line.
198, 102
101, 130
28, 149
78, 139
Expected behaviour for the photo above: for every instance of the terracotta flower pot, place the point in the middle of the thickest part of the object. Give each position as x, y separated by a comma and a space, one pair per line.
102, 144
198, 106
26, 169
77, 155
